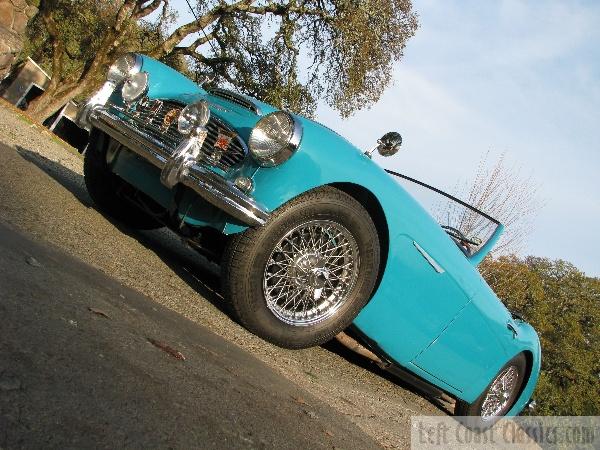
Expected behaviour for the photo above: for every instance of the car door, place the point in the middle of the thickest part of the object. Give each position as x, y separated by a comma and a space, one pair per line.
467, 350
418, 297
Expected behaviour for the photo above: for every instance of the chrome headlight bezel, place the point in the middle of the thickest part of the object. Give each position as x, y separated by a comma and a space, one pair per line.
285, 148
124, 67
135, 87
193, 116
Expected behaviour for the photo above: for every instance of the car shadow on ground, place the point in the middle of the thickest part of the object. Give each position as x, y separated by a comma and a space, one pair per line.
333, 346
70, 180
200, 274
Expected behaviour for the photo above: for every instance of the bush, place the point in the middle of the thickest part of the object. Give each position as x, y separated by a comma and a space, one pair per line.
563, 304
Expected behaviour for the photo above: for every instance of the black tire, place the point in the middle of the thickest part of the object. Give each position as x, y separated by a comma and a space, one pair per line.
103, 186
247, 254
471, 413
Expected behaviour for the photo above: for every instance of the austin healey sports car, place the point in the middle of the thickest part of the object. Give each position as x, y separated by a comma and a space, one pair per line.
313, 237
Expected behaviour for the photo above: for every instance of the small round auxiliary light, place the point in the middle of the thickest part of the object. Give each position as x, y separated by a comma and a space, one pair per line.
244, 184
193, 116
135, 87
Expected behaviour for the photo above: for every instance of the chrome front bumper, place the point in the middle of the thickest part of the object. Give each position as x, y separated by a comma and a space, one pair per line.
210, 186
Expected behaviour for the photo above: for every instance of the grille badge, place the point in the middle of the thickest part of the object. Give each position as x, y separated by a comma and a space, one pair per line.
223, 140
169, 118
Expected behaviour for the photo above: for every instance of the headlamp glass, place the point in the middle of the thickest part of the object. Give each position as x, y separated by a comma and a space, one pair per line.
193, 116
275, 138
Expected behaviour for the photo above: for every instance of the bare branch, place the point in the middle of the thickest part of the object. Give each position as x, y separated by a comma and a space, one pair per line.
143, 8
502, 192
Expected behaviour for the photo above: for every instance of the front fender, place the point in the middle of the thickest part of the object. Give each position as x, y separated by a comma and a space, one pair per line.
325, 158
528, 342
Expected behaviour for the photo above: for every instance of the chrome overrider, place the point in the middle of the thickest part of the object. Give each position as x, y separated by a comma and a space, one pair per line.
180, 166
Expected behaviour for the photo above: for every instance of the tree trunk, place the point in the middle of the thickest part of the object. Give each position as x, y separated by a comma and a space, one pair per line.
53, 100
60, 91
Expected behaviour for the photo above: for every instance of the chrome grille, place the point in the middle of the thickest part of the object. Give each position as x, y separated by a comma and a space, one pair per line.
149, 116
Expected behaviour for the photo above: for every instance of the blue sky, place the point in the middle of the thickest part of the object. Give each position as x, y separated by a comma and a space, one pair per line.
514, 77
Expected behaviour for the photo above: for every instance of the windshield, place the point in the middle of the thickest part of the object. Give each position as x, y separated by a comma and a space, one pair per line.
472, 230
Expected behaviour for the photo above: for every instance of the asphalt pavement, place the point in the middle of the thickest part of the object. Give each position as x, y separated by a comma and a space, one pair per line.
86, 362
42, 194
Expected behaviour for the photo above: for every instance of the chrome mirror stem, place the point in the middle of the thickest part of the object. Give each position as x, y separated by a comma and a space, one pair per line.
369, 153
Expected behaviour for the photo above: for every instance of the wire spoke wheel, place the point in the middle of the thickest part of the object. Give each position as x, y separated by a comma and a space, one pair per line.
311, 272
500, 393
305, 275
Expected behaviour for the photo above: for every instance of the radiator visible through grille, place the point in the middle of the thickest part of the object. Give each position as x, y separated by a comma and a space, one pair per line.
222, 147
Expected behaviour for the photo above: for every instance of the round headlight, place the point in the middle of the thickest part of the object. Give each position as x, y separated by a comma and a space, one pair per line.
135, 87
275, 138
123, 67
193, 116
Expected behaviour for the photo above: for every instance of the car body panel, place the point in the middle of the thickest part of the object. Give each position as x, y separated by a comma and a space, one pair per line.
432, 312
446, 359
166, 82
400, 290
527, 342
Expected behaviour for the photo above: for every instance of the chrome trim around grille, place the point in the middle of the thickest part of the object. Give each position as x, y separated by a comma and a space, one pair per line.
209, 185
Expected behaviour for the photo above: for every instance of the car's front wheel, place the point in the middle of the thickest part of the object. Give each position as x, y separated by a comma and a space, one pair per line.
303, 277
497, 399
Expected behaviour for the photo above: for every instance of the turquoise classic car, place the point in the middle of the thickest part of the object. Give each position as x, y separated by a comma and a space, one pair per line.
313, 237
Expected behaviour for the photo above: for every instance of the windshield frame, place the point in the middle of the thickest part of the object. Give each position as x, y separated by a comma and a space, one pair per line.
486, 246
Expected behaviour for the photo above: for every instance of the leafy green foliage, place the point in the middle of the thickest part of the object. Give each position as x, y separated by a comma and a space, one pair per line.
80, 27
563, 305
266, 70
292, 53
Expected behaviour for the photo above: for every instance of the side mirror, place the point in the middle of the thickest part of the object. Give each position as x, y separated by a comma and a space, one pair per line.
387, 145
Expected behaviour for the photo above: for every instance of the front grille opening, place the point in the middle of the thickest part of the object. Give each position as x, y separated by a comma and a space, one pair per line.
158, 119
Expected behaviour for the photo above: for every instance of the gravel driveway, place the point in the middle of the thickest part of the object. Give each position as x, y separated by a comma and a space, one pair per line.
42, 192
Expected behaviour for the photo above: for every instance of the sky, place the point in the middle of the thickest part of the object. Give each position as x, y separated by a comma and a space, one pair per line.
515, 77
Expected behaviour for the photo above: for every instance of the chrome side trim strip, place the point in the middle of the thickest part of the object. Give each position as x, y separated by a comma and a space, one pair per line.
429, 258
212, 187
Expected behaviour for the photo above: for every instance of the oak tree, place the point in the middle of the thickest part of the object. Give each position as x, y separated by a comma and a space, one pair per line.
291, 53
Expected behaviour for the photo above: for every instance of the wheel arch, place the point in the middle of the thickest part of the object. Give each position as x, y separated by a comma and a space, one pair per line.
371, 203
528, 371
525, 388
